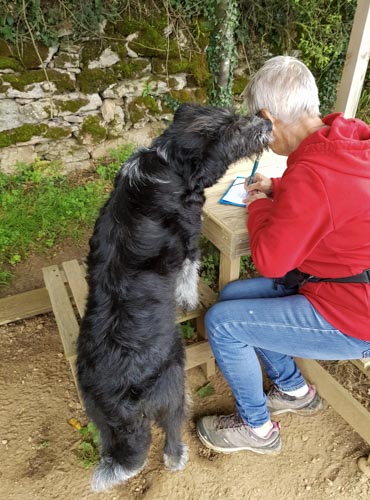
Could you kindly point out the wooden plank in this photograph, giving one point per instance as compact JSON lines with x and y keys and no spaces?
{"x":77,"y":283}
{"x":198,"y":354}
{"x":24,"y":305}
{"x":356,"y":63}
{"x":206,"y":295}
{"x":363,"y":365}
{"x":182,"y":315}
{"x":63,"y":311}
{"x":73,"y":365}
{"x":229,"y":270}
{"x":339,"y":398}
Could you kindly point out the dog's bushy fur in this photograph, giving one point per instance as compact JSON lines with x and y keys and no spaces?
{"x":143,"y":260}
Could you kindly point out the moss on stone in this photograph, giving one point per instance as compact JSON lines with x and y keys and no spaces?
{"x":30,"y":58}
{"x":91,"y":51}
{"x":20,"y":80}
{"x":196,"y":66}
{"x":57,"y":133}
{"x":137,"y":107}
{"x":204,"y":29}
{"x":183,"y":95}
{"x":150,"y":41}
{"x":201,"y":95}
{"x":93,"y":128}
{"x":119,"y":47}
{"x":10,"y":63}
{"x":6,"y":50}
{"x":199,"y":69}
{"x":240,"y":82}
{"x":136,"y":113}
{"x":21,"y":134}
{"x":130,"y":68}
{"x":91,"y":81}
{"x":72,"y":105}
{"x":63,"y":60}
{"x":150,"y":103}
{"x":190,"y":95}
{"x":3,"y":87}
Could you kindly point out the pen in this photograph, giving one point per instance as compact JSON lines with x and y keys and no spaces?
{"x":254,"y":169}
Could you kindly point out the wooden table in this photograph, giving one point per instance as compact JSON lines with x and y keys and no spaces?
{"x":225,"y":225}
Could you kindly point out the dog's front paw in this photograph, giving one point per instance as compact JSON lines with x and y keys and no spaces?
{"x":178,"y":461}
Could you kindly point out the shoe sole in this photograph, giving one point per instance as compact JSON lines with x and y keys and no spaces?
{"x":261,"y":451}
{"x":307,"y":411}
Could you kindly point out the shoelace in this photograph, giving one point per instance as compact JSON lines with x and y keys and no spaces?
{"x":232,"y":421}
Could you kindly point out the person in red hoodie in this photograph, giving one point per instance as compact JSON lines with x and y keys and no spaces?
{"x":310,"y":240}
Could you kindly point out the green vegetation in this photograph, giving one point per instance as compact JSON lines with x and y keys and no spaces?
{"x":187,"y":330}
{"x":25,"y":133}
{"x":206,"y":390}
{"x":41,"y":207}
{"x":88,"y":448}
{"x":92,"y":127}
{"x":20,"y":81}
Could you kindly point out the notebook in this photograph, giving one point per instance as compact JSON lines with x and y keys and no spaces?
{"x":236,"y":193}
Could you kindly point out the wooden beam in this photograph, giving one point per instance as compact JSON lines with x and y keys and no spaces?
{"x":337,"y":396}
{"x":63,"y":311}
{"x":356,"y":63}
{"x":24,"y":305}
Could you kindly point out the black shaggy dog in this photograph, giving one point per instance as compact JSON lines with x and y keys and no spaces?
{"x":143,"y":261}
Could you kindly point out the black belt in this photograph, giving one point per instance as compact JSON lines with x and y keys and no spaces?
{"x":298,"y":278}
{"x":363,"y":277}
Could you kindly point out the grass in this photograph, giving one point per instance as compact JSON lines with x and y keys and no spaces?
{"x":40,"y":207}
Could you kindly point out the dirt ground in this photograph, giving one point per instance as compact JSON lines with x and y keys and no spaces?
{"x":38,"y":448}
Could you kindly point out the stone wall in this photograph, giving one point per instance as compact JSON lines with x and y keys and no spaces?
{"x":67,"y":102}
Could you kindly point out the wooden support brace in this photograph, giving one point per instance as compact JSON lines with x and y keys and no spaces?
{"x":356,"y":63}
{"x":337,"y":396}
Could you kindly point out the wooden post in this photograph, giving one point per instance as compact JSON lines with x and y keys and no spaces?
{"x":357,"y":59}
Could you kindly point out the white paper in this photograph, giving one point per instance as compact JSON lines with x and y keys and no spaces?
{"x":236,"y":194}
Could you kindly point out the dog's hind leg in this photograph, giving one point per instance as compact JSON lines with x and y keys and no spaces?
{"x":123,"y":454}
{"x":172,"y":418}
{"x":175,"y":451}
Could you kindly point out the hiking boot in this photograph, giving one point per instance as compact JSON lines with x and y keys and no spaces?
{"x":229,"y":433}
{"x":278,"y":402}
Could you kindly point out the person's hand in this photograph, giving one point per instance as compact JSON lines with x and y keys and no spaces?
{"x":253,"y":196}
{"x":260,"y":183}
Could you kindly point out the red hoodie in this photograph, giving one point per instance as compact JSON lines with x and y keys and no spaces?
{"x":318,"y":220}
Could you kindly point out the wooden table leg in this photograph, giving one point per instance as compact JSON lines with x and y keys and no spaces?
{"x":229,"y":270}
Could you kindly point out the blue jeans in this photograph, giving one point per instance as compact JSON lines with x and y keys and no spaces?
{"x":253,"y":318}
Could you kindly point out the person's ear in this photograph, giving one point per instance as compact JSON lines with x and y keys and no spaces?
{"x":265,"y":113}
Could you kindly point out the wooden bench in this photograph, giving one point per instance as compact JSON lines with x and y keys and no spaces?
{"x":67,"y":289}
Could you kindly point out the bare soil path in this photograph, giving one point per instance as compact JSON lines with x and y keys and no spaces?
{"x":38,"y":447}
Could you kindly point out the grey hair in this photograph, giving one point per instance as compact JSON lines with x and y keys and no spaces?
{"x":285,"y":87}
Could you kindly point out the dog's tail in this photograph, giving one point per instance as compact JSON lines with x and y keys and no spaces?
{"x":109,"y":473}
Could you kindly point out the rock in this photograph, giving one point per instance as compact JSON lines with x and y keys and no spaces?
{"x":10,"y":156}
{"x":107,"y":58}
{"x":67,"y":149}
{"x":9,"y":114}
{"x":108,"y":110}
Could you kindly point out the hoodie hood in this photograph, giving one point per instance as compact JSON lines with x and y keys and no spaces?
{"x":346,"y":140}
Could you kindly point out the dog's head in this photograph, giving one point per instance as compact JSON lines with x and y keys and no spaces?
{"x":204,"y":141}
